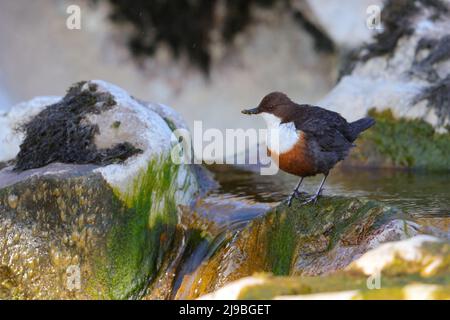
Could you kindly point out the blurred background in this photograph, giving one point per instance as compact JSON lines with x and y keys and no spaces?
{"x":208,"y":59}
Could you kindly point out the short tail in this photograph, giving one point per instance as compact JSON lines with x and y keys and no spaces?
{"x":359,"y":126}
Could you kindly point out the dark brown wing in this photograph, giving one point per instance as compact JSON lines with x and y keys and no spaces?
{"x":328,"y":128}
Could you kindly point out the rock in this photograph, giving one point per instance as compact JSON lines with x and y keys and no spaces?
{"x":404,"y":62}
{"x":423,"y":254}
{"x":300,"y":240}
{"x":416,"y":268}
{"x":402,"y":78}
{"x":401,"y":143}
{"x":92,"y":230}
{"x":341,"y":19}
{"x":438,"y":226}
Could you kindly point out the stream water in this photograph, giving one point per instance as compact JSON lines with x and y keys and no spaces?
{"x":244,"y":195}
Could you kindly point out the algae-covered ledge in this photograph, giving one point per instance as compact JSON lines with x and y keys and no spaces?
{"x":415,"y":268}
{"x":397,"y":142}
{"x":301,"y":241}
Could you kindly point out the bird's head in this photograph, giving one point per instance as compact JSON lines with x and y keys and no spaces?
{"x":273,"y":107}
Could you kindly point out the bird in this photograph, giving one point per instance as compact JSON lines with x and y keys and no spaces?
{"x":310,"y":140}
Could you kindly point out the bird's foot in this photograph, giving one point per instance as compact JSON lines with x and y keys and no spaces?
{"x":296,"y":194}
{"x":313,"y":199}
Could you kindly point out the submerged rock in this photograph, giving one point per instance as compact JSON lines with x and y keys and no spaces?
{"x":417,"y":268}
{"x":301,"y":240}
{"x":92,"y":229}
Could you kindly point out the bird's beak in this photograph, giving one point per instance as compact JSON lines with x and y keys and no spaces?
{"x":251,"y":111}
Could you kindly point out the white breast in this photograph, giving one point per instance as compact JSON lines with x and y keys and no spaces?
{"x":280,"y":137}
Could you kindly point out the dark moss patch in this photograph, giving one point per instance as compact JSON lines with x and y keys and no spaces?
{"x":438,"y":98}
{"x":396,"y":16}
{"x":59,"y":134}
{"x":322,"y":42}
{"x":116,"y":124}
{"x":185,"y":26}
{"x":405,"y":143}
{"x":348,"y":62}
{"x":439,"y":50}
{"x":170,"y":124}
{"x":3,"y":165}
{"x":182,"y":25}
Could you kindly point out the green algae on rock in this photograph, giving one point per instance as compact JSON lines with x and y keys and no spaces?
{"x":57,"y":220}
{"x":301,"y":240}
{"x":396,"y":280}
{"x":142,"y":237}
{"x":402,"y":143}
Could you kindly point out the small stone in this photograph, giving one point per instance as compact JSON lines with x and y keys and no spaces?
{"x":13,"y":201}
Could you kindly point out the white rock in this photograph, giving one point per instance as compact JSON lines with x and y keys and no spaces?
{"x":385,"y":82}
{"x":420,"y":291}
{"x":341,"y":295}
{"x":232,"y":290}
{"x":344,"y":21}
{"x":376,"y":260}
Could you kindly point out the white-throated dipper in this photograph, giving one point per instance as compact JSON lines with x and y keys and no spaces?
{"x":311,"y":140}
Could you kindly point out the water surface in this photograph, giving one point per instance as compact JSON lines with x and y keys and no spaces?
{"x":417,"y":193}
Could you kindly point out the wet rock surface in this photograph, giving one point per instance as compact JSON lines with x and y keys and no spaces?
{"x":301,"y":240}
{"x":66,"y":233}
{"x":416,"y":268}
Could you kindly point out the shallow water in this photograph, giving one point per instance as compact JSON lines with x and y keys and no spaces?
{"x":417,"y":193}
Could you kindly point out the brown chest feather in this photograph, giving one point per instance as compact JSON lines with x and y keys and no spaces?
{"x":297,"y":160}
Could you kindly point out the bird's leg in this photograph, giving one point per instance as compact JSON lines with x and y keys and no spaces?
{"x":314,"y":198}
{"x":294,"y":193}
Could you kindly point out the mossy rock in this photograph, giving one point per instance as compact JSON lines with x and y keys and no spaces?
{"x":402,"y":143}
{"x":62,"y":221}
{"x":300,"y":240}
{"x":75,"y":227}
{"x":403,"y":273}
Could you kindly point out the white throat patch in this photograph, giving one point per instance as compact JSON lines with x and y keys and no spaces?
{"x":280,"y":137}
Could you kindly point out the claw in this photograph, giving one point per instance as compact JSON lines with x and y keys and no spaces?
{"x":313,"y":199}
{"x":295,"y":194}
